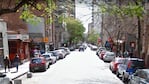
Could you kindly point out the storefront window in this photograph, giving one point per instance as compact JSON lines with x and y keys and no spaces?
{"x":1,"y":45}
{"x":1,"y":41}
{"x":1,"y":50}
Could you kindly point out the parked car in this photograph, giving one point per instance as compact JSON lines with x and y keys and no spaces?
{"x":49,"y":58}
{"x":56,"y":54}
{"x":129,"y":66}
{"x":101,"y":54}
{"x":72,"y":48}
{"x":141,"y":76}
{"x":109,"y":56}
{"x":4,"y":79}
{"x":61,"y":53}
{"x":94,"y":48}
{"x":65,"y":49}
{"x":38,"y":64}
{"x":84,"y":45}
{"x":99,"y":50}
{"x":115,"y":62}
{"x":81,"y":48}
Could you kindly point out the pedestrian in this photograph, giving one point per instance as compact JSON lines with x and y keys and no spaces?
{"x":126,"y":53}
{"x":17,"y":62}
{"x":6,"y":64}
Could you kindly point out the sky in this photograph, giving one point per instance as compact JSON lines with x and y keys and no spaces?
{"x":83,"y":13}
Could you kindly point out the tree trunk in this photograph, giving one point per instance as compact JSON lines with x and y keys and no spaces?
{"x":139,"y":38}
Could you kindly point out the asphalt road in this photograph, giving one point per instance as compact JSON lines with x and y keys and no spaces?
{"x":77,"y":68}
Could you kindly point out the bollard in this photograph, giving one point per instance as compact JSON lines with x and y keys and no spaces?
{"x":29,"y":74}
{"x":18,"y":81}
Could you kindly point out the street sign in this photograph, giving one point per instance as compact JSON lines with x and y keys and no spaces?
{"x":45,"y":39}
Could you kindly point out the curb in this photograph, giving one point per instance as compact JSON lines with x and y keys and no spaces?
{"x":19,"y":75}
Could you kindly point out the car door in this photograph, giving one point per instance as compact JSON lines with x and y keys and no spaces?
{"x":53,"y":58}
{"x":144,"y":78}
{"x":122,"y":67}
{"x":139,"y":77}
{"x":135,"y":78}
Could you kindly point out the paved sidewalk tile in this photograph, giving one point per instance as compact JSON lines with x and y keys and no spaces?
{"x":13,"y":74}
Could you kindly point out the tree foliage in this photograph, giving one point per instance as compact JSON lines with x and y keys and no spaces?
{"x":93,"y":37}
{"x":131,"y":9}
{"x":75,"y":28}
{"x":27,"y":8}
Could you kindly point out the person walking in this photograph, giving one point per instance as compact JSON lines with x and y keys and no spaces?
{"x":16,"y":62}
{"x":6,"y":64}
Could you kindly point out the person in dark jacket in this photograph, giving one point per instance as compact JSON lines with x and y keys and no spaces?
{"x":6,"y":63}
{"x":16,"y":62}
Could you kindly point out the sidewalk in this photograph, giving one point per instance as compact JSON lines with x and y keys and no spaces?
{"x":23,"y":69}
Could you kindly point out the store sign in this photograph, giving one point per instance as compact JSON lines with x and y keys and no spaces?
{"x":14,"y":36}
{"x":45,"y":39}
{"x":24,"y":37}
{"x":18,"y":36}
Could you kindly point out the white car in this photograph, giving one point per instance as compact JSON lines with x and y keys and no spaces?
{"x":61,"y":53}
{"x":109,"y":56}
{"x":67,"y":50}
{"x":50,"y":58}
{"x":4,"y":79}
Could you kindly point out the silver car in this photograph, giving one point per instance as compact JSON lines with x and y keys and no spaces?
{"x":49,"y":58}
{"x":4,"y":79}
{"x":141,"y":76}
{"x":109,"y":56}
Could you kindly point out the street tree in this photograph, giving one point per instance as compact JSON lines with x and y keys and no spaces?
{"x":93,"y":37}
{"x":125,"y":9}
{"x":27,"y":8}
{"x":75,"y":29}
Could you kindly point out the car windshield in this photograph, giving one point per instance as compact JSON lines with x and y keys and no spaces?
{"x":120,"y":60}
{"x":138,"y":64}
{"x":55,"y":53}
{"x":110,"y":54}
{"x":46,"y":56}
{"x":38,"y":60}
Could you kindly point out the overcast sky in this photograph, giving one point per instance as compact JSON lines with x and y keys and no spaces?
{"x":83,"y":13}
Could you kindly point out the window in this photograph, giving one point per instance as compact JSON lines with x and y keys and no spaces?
{"x":142,"y":74}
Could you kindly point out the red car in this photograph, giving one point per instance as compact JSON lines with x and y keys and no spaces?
{"x":38,"y":64}
{"x":101,"y":54}
{"x":114,"y":63}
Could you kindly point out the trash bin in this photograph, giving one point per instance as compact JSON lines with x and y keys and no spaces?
{"x":18,"y":81}
{"x":29,"y":74}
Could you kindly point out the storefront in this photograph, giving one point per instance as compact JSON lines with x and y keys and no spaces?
{"x":3,"y":42}
{"x":18,"y":44}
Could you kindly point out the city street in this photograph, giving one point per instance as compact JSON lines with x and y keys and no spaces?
{"x":77,"y":68}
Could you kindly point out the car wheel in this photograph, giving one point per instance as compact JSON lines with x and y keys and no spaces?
{"x":10,"y":82}
{"x":112,"y":69}
{"x":31,"y":70}
{"x":117,"y":74}
{"x":48,"y":65}
{"x":45,"y":68}
{"x":124,"y":79}
{"x":129,"y":82}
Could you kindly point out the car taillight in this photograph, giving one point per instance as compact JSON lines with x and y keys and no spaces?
{"x":31,"y":65}
{"x":115,"y":66}
{"x":43,"y":62}
{"x":129,"y":64}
